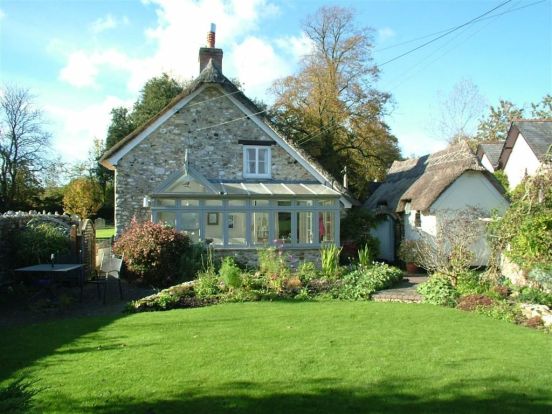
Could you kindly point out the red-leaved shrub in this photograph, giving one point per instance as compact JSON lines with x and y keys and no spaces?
{"x":472,"y":302}
{"x":534,"y":322}
{"x":152,"y":252}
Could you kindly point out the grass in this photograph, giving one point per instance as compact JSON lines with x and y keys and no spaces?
{"x":105,"y":233}
{"x":308,"y":357}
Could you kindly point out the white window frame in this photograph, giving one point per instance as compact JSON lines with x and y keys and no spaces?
{"x":268,"y":161}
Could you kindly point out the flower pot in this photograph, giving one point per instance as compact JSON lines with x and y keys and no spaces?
{"x":411,"y":267}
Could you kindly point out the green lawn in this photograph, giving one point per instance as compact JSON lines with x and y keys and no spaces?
{"x":105,"y":233}
{"x":281,"y":357}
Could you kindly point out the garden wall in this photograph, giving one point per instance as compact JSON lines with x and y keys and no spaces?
{"x":82,"y":235}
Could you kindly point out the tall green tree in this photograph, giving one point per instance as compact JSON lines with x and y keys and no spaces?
{"x":542,"y":109}
{"x":121,"y":125}
{"x":24,"y":143}
{"x":330,"y":107}
{"x":494,"y":127}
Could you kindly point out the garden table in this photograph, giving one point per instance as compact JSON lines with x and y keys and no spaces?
{"x":57,"y":271}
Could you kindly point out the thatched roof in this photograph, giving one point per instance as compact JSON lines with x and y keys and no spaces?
{"x":422,"y":180}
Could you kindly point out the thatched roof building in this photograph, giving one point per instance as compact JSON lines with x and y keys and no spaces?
{"x":421,"y":181}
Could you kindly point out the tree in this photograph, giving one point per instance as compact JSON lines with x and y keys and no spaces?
{"x":459,"y":112}
{"x":154,"y":96}
{"x":494,"y":127}
{"x":23,"y":147}
{"x":83,"y":197}
{"x":543,"y":109}
{"x":330,"y":107}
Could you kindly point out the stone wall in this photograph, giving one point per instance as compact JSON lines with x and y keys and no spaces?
{"x":213,"y":152}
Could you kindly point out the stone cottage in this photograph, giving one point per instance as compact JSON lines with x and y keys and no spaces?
{"x":211,"y":165}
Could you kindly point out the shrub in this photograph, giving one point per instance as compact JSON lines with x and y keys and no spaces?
{"x":307,"y":271}
{"x":39,"y":240}
{"x":535,"y":296}
{"x":472,"y":302}
{"x":501,"y":291}
{"x":207,"y":284}
{"x":471,"y":282}
{"x":503,"y":311}
{"x":152,"y":252}
{"x":230,"y":273}
{"x":361,"y":283}
{"x":83,"y":196}
{"x":192,"y":261}
{"x":438,"y":290}
{"x":330,"y":260}
{"x":366,"y":255}
{"x":271,"y":262}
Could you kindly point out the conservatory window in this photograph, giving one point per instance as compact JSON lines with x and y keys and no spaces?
{"x":236,"y":228}
{"x":189,"y":224}
{"x":259,"y":228}
{"x":325,"y":226}
{"x":283,"y":227}
{"x":304,"y":227}
{"x":256,"y":162}
{"x":167,"y":217}
{"x":214,"y":228}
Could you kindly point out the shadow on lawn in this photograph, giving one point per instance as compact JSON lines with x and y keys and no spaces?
{"x":34,"y":342}
{"x":484,"y":396}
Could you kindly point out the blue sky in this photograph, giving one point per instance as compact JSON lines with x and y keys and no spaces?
{"x":83,"y":57}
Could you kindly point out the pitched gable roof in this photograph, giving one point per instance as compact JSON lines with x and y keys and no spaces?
{"x":492,"y":151}
{"x":212,"y":75}
{"x":422,"y":180}
{"x":537,"y":134}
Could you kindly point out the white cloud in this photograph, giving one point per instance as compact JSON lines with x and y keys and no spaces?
{"x":76,"y":128}
{"x":257,"y":65}
{"x":385,"y":34}
{"x":107,"y":22}
{"x":417,"y":143}
{"x":295,"y":46}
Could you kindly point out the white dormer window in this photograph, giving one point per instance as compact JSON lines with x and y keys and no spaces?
{"x":256,"y":161}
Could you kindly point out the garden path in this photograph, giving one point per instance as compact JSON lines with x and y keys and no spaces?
{"x":405,"y":291}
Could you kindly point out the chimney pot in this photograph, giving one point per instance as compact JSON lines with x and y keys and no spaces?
{"x":210,"y":52}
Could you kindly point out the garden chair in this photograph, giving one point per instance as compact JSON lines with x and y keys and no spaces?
{"x":110,"y":267}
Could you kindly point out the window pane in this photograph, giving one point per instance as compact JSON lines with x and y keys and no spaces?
{"x":304,"y":203}
{"x":165,"y":202}
{"x":259,"y":228}
{"x":167,"y":217}
{"x":262,"y":154}
{"x":325,"y":226}
{"x":239,"y":203}
{"x":213,"y":202}
{"x":189,"y":203}
{"x":251,"y":167}
{"x":236,"y":228}
{"x":304,"y":227}
{"x":189,"y":224}
{"x":326,"y":202}
{"x":283,"y":227}
{"x":284,"y":202}
{"x":213,"y":227}
{"x":260,"y":203}
{"x":261,"y":167}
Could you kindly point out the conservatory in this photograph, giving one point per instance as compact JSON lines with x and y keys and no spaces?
{"x":246,"y":214}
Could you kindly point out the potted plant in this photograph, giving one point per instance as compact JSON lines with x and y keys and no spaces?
{"x":408,"y":253}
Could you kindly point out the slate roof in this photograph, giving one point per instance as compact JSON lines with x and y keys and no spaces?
{"x":492,"y":151}
{"x":213,"y":75}
{"x":422,"y":180}
{"x":538,"y":134}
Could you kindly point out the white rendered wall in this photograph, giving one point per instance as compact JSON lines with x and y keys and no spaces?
{"x":522,"y":161}
{"x":471,"y":189}
{"x":486,"y":163}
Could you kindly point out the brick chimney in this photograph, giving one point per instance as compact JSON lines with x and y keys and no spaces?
{"x":210,"y":52}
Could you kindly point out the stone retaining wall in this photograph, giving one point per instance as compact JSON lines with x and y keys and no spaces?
{"x":294,"y":256}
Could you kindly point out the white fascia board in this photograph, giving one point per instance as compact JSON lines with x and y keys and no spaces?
{"x":291,"y":151}
{"x":158,"y":122}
